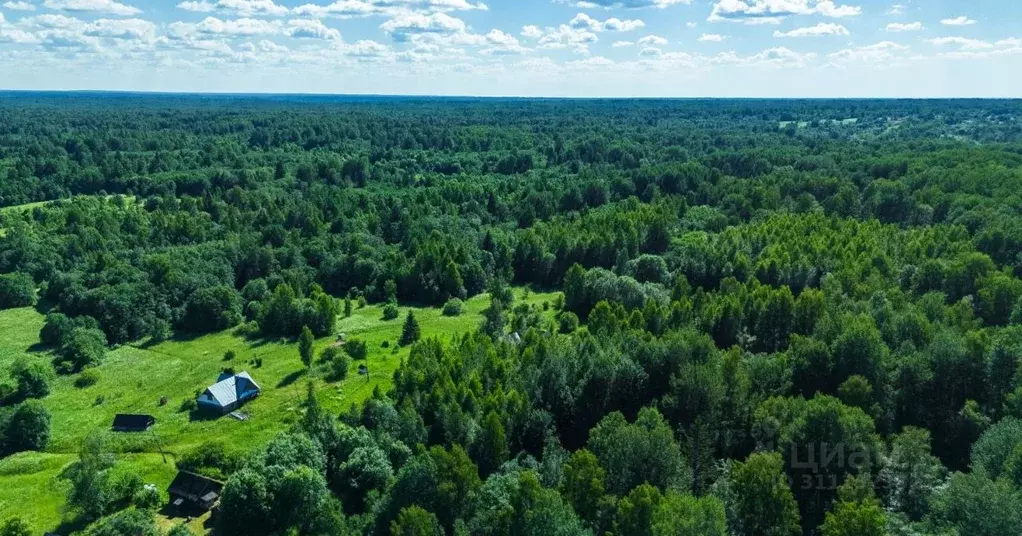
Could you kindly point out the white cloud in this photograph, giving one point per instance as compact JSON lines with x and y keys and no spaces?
{"x":113,"y":7}
{"x":243,"y":8}
{"x":622,"y":44}
{"x":651,"y":51}
{"x":561,"y":37}
{"x":652,"y":40}
{"x":962,"y":42}
{"x":19,"y":6}
{"x":501,"y":43}
{"x":961,"y":20}
{"x":366,"y":49}
{"x":897,"y":9}
{"x":405,"y":27}
{"x":584,"y":21}
{"x":628,"y":4}
{"x":879,"y":54}
{"x":908,"y":27}
{"x":365,"y":8}
{"x":820,"y":30}
{"x":711,"y":38}
{"x":771,"y":57}
{"x":237,"y":27}
{"x":774,"y":11}
{"x":532,"y":32}
{"x":129,"y":29}
{"x":311,"y":29}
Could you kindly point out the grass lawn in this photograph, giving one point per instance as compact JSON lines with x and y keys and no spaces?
{"x":133,"y":379}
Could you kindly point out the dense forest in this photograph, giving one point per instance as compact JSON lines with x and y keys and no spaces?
{"x":777,"y":317}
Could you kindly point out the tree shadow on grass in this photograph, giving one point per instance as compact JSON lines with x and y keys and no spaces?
{"x":291,"y":378}
{"x":71,"y":526}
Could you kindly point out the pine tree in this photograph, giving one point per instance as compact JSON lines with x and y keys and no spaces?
{"x":305,"y":346}
{"x":347,"y":306}
{"x":410,"y":332}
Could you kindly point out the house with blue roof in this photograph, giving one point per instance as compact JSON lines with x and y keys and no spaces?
{"x":229,"y":393}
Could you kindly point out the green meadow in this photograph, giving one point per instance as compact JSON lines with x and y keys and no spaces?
{"x":133,"y":379}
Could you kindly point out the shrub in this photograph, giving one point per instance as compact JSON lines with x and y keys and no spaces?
{"x":213,"y":459}
{"x":84,"y":347}
{"x":390,"y":311}
{"x":329,"y":354}
{"x":147,"y":498}
{"x":453,"y":307}
{"x":568,"y":322}
{"x":229,"y":355}
{"x":339,"y":367}
{"x":27,"y":429}
{"x":87,"y":378}
{"x":32,"y":378}
{"x":16,"y":290}
{"x":356,"y":348}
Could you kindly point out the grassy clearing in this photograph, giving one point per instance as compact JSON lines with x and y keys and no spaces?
{"x":133,"y":379}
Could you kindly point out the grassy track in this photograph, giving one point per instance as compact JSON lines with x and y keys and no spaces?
{"x":132,"y":380}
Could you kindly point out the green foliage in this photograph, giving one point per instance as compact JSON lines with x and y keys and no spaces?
{"x":16,"y":290}
{"x":758,"y":498}
{"x":390,"y":311}
{"x":136,"y":522}
{"x":856,"y":512}
{"x":305,"y":342}
{"x":214,"y":459}
{"x":356,"y":348}
{"x":567,"y":322}
{"x":414,"y":521}
{"x":83,"y":347}
{"x":410,"y":332}
{"x":975,"y":504}
{"x":679,"y":515}
{"x":32,"y":378}
{"x":634,"y":453}
{"x":453,"y":307}
{"x":14,"y":527}
{"x":27,"y":427}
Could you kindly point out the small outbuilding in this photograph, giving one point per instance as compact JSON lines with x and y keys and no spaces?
{"x":229,"y":393}
{"x":124,"y":422}
{"x":197,"y":491}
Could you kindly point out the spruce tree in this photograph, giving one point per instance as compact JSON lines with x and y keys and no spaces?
{"x":305,"y":345}
{"x":410,"y":332}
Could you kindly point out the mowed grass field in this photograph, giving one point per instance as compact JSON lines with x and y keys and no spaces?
{"x":132,"y":379}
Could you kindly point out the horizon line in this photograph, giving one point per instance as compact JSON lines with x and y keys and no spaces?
{"x":478,"y":97}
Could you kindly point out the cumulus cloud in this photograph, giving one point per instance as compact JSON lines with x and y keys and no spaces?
{"x":112,"y":7}
{"x":243,"y":8}
{"x":622,"y":44}
{"x":962,"y":42}
{"x":610,"y":25}
{"x":820,"y":30}
{"x":405,"y":27}
{"x":961,"y":20}
{"x":364,"y":8}
{"x":564,"y":36}
{"x":311,"y":29}
{"x":897,"y":9}
{"x":877,"y":54}
{"x":215,"y":28}
{"x":628,"y":4}
{"x":908,"y":27}
{"x":652,"y":40}
{"x":501,"y":43}
{"x":19,"y":6}
{"x":711,"y":38}
{"x":132,"y":29}
{"x":774,"y":57}
{"x":775,"y":11}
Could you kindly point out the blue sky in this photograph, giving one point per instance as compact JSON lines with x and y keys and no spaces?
{"x":647,"y":48}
